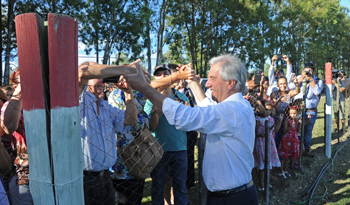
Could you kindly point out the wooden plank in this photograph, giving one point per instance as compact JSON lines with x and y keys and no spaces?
{"x":66,"y":147}
{"x":31,"y":59}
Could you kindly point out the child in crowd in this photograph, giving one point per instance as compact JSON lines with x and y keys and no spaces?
{"x":288,"y":149}
{"x":259,"y":148}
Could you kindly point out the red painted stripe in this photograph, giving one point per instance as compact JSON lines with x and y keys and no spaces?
{"x":328,"y":73}
{"x":63,"y":58}
{"x":29,"y":61}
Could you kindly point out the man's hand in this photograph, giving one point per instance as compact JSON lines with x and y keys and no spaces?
{"x":196,"y":78}
{"x":137,"y":80}
{"x":286,"y":59}
{"x":123,"y":85}
{"x":186,"y":72}
{"x":136,"y":64}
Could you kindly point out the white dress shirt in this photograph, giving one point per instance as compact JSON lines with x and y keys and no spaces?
{"x":230,"y":128}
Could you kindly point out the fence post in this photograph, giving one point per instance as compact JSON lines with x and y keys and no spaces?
{"x":337,"y":107}
{"x":301,"y":168}
{"x":67,"y":155}
{"x":51,"y":107}
{"x":202,"y":190}
{"x":328,"y":133}
{"x":267,"y":161}
{"x":32,"y":60}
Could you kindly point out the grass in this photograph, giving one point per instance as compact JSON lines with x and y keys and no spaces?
{"x":284,"y":191}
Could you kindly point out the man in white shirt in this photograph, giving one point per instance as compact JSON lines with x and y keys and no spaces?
{"x":229,"y":125}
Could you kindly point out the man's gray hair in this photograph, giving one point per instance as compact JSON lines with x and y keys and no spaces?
{"x":231,"y":69}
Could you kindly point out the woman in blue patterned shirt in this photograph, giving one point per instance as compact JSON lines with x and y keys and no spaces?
{"x":131,"y":188}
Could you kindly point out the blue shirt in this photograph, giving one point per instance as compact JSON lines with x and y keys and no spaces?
{"x":98,"y":131}
{"x":312,"y":95}
{"x":167,"y":135}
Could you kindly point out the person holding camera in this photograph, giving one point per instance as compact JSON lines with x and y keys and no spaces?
{"x":338,"y":74}
{"x":279,"y":72}
{"x":313,"y":94}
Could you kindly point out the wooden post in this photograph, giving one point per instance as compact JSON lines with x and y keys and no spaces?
{"x":51,"y":107}
{"x":337,"y":107}
{"x":328,"y":116}
{"x":267,"y":161}
{"x":301,"y":168}
{"x":67,"y":155}
{"x":31,"y":41}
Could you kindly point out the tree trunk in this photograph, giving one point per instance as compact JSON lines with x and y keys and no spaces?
{"x":108,"y":47}
{"x":8,"y":44}
{"x":160,"y":33}
{"x":148,"y":39}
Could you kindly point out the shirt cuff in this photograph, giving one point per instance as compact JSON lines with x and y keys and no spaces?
{"x":169,"y":109}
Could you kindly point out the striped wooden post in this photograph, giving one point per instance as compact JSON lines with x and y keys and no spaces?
{"x":51,"y":107}
{"x":328,"y":116}
{"x":31,"y":40}
{"x":67,"y":155}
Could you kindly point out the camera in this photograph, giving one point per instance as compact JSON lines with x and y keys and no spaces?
{"x":308,"y":73}
{"x":280,"y":56}
{"x":114,"y":79}
{"x":336,"y":74}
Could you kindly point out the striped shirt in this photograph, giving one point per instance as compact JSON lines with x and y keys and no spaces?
{"x":98,"y":131}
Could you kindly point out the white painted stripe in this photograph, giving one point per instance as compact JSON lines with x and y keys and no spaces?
{"x":67,"y":155}
{"x":38,"y":155}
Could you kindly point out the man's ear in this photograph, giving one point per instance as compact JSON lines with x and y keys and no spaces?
{"x":232,"y":83}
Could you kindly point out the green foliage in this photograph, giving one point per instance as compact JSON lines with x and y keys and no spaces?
{"x":315,"y":31}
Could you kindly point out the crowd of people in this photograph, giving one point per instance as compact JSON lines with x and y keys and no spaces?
{"x":174,"y":108}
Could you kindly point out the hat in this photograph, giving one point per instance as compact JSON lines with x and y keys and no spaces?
{"x":173,"y":67}
{"x":161,"y":67}
{"x":309,"y":65}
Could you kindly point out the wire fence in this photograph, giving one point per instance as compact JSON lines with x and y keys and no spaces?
{"x":125,"y":151}
{"x":117,"y":122}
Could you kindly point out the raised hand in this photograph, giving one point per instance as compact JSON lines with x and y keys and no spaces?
{"x":123,"y":85}
{"x":186,"y":72}
{"x":274,"y":58}
{"x":285,"y":58}
{"x":137,"y":80}
{"x":136,"y":64}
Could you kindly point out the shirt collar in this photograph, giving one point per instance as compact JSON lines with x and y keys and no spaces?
{"x":233,"y":97}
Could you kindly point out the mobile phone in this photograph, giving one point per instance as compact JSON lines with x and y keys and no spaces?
{"x":257,"y":76}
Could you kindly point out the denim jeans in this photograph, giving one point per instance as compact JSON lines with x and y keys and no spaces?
{"x":308,"y":129}
{"x":176,"y":162}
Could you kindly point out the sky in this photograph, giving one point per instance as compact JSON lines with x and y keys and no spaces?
{"x":345,"y":3}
